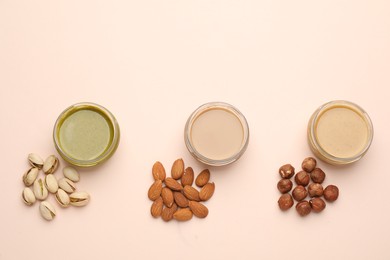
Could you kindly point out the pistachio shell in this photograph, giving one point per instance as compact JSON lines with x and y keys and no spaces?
{"x":47,"y":210}
{"x":35,"y":160}
{"x":40,"y":190}
{"x":50,"y":164}
{"x":30,"y":176}
{"x":79,"y":199}
{"x":67,"y":185}
{"x":62,"y":198}
{"x":71,"y":173}
{"x":28,"y":196}
{"x":51,"y":183}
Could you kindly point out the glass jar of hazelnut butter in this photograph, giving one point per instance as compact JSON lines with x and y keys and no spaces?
{"x":86,"y":134}
{"x":340,"y":132}
{"x":216,"y":134}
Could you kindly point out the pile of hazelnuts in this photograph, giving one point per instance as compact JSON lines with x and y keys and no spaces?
{"x":300,"y":192}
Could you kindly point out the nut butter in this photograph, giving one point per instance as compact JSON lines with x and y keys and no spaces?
{"x":86,"y":134}
{"x":216,"y":134}
{"x":340,"y":132}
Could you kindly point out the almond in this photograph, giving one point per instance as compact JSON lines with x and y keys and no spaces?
{"x":173,"y":184}
{"x":188,"y":177}
{"x":157,"y":207}
{"x":180,"y":199}
{"x":155,"y":190}
{"x":191,"y":193}
{"x":198,"y":209}
{"x":202,"y":178}
{"x":167,"y":197}
{"x":167,"y":213}
{"x":207,"y":191}
{"x":183,"y":214}
{"x":177,"y":169}
{"x":158,"y":171}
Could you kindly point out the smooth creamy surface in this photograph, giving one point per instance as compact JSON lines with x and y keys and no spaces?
{"x":217,"y":134}
{"x":342,"y":132}
{"x":85,"y":135}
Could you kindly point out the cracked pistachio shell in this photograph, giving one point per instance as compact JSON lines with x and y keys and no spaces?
{"x":28,"y":196}
{"x":47,"y":210}
{"x":67,"y":185}
{"x":71,"y":173}
{"x":50,"y":164}
{"x":35,"y":160}
{"x":62,"y":198}
{"x":51,"y":183}
{"x":79,"y":199}
{"x":40,"y":190}
{"x":30,"y":176}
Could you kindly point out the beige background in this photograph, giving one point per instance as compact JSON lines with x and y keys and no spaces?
{"x":152,"y":63}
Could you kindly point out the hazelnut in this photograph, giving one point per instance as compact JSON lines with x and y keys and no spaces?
{"x":299,"y":193}
{"x":309,"y":164}
{"x":331,"y":193}
{"x":317,"y":175}
{"x":302,"y":178}
{"x":317,"y":204}
{"x":285,"y":201}
{"x":286,"y":171}
{"x":285,"y":185}
{"x":303,"y":208}
{"x":315,"y":190}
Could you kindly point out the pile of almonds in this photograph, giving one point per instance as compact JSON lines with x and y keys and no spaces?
{"x":179,"y":200}
{"x":64,"y":188}
{"x":299,"y":193}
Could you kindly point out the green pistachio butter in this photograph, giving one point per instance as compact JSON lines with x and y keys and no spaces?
{"x":85,"y":135}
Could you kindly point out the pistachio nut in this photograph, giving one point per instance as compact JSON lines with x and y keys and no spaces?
{"x":28,"y":196}
{"x":50,"y":164}
{"x":39,"y":189}
{"x":67,"y":185}
{"x":51,"y":183}
{"x":35,"y":160}
{"x":62,"y":198}
{"x":79,"y":199}
{"x":47,"y":210}
{"x":30,"y":176}
{"x":71,"y":174}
